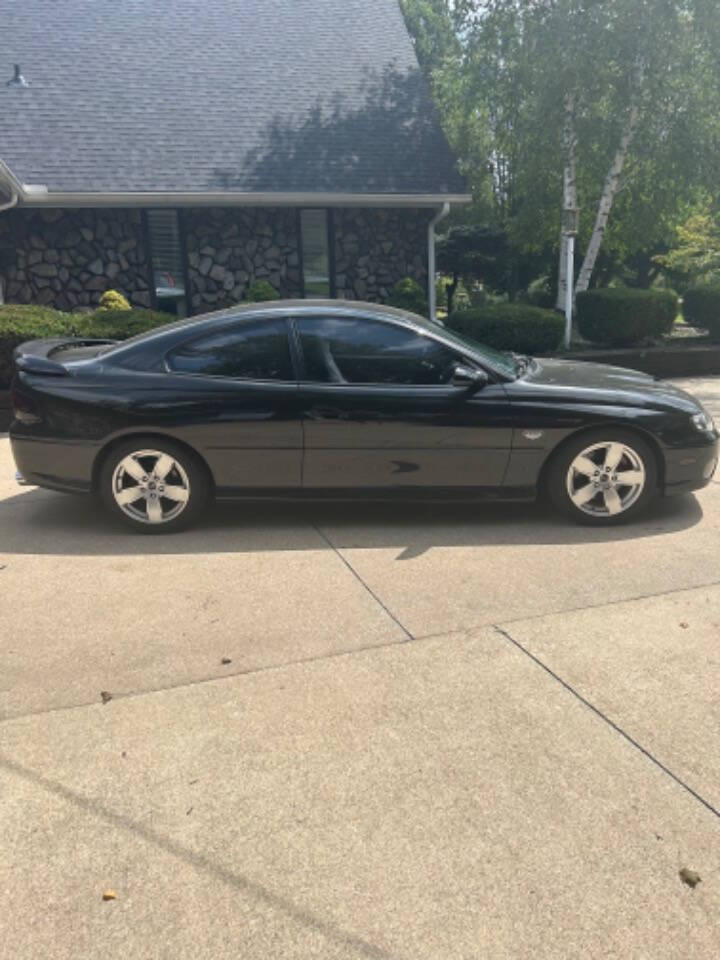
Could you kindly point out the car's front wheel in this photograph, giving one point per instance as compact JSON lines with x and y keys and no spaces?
{"x":603,"y":477}
{"x":153,"y":486}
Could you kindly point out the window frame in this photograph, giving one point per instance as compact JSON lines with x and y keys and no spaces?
{"x":149,"y":252}
{"x":302,"y":370}
{"x":231,"y":324}
{"x":330,"y":239}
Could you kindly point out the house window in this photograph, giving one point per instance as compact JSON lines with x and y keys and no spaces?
{"x":166,"y":251}
{"x":315,"y":253}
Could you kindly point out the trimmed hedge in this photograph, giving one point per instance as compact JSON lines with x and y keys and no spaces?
{"x":20,"y":323}
{"x":540,"y":294}
{"x":622,"y":316}
{"x":407,"y":294}
{"x":511,"y":326}
{"x":701,"y":308}
{"x":117,"y":324}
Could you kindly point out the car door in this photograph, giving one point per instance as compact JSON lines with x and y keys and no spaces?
{"x":379,"y":410}
{"x":239,"y":404}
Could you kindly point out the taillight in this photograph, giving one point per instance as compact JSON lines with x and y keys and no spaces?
{"x":24,"y":408}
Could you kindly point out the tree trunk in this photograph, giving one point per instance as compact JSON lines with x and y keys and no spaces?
{"x":569,"y":192}
{"x":612,"y":182}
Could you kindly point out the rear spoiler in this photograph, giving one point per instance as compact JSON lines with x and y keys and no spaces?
{"x":34,"y":356}
{"x":41,"y":365}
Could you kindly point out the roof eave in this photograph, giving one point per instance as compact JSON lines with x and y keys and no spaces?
{"x":37,"y":196}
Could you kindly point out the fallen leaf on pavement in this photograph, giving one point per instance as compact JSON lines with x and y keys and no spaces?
{"x":689,"y":877}
{"x":109,"y":895}
{"x":105,"y":696}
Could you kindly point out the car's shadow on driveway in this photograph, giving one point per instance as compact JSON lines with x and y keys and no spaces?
{"x":39,"y":522}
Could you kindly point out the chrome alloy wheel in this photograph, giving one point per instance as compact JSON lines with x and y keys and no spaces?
{"x":150,"y":486}
{"x":606,"y":479}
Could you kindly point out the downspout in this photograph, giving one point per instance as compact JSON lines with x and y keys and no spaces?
{"x":432,"y":296}
{"x":12,"y":202}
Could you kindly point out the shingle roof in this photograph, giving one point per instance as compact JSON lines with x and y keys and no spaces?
{"x":218,"y":95}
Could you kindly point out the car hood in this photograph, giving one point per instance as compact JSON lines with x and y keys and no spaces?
{"x":598,"y":382}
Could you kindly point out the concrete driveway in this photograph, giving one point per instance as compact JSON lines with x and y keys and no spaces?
{"x":348,"y":732}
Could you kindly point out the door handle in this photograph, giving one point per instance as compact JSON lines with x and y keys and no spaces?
{"x":334,"y":413}
{"x":324,"y":413}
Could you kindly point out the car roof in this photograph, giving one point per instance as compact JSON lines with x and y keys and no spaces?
{"x":168,"y":336}
{"x":269,"y":309}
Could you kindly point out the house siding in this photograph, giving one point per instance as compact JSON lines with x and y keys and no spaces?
{"x":67,"y":258}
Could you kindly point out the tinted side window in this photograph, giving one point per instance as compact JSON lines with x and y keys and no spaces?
{"x":249,"y":351}
{"x":350,"y":350}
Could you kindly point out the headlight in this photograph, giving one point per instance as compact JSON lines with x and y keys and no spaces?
{"x":703,"y":422}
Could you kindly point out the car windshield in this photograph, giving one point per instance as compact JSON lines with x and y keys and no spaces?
{"x":505,"y":363}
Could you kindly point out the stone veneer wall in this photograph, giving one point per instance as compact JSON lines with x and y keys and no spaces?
{"x":374,"y":248}
{"x":229,"y":248}
{"x":67,"y":258}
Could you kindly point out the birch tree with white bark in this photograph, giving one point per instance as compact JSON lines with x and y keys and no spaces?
{"x":612,"y":106}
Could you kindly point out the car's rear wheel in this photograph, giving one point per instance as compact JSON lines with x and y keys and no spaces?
{"x":153,"y":486}
{"x":603,"y":477}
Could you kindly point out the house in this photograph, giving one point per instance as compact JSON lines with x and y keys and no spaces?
{"x":180,"y":152}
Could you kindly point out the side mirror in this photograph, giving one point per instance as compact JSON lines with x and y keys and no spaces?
{"x":469,"y":379}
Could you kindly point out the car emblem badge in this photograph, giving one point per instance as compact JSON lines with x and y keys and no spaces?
{"x":532,"y":434}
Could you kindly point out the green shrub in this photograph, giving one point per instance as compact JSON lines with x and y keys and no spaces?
{"x":260,"y":291}
{"x":539,"y":294}
{"x":511,"y":326}
{"x":113,"y":300}
{"x":621,"y":316}
{"x":407,"y":294}
{"x":441,"y":285}
{"x":701,"y":307}
{"x":19,"y":323}
{"x":117,"y":324}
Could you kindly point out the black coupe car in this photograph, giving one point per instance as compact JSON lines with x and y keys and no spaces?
{"x":314,"y":399}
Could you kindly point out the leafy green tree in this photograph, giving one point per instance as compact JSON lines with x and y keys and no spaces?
{"x":472,"y":253}
{"x":696,"y":253}
{"x":609,"y":105}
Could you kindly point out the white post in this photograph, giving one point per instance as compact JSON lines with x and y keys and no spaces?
{"x":432,"y":294}
{"x":569,"y":283}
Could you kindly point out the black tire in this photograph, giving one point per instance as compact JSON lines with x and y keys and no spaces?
{"x":187,"y":476}
{"x":559,"y":478}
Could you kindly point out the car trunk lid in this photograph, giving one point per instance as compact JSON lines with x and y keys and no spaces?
{"x":54,"y":357}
